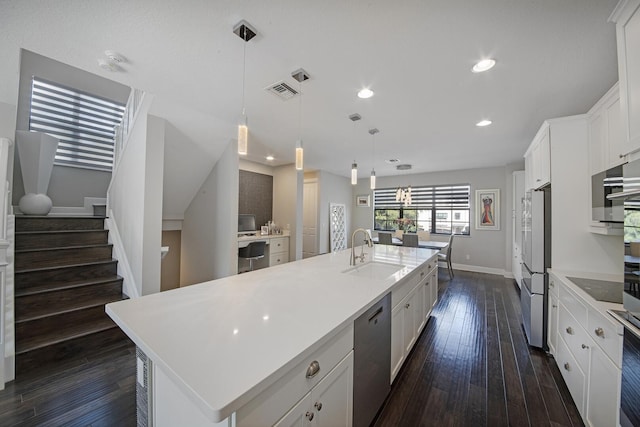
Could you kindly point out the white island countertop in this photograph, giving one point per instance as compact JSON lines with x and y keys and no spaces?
{"x":223,"y":342}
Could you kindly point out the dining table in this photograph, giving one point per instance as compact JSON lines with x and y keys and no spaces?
{"x":428,"y":244}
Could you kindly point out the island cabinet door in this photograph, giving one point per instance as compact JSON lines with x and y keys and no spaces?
{"x":397,"y":335}
{"x":299,"y":415}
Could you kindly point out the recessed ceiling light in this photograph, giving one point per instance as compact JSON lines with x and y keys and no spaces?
{"x":484,"y":65}
{"x":365,"y":93}
{"x":483,"y":123}
{"x":270,"y":158}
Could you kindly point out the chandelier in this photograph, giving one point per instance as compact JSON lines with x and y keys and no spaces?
{"x":403,"y":195}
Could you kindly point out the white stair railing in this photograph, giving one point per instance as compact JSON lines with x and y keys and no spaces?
{"x":122,"y":131}
{"x":7,"y":339}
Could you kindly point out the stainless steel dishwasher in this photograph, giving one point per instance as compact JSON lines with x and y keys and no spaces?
{"x":371,"y":361}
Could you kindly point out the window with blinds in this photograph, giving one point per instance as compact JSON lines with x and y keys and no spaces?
{"x":84,"y":123}
{"x":443,"y":209}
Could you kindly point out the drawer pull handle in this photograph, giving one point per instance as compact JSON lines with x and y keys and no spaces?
{"x":585,"y":346}
{"x":407,"y":305}
{"x":567,"y":366}
{"x":599,"y":332}
{"x":554,"y":305}
{"x":313,"y":369}
{"x":551,"y":284}
{"x":374,"y":315}
{"x":422,"y":272}
{"x":309,"y":415}
{"x":318,"y":406}
{"x":621,"y":156}
{"x":569,"y":330}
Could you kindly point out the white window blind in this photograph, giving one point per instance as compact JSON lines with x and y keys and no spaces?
{"x":435,"y":197}
{"x":84,"y":124}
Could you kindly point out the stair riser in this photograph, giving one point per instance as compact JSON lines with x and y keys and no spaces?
{"x":61,"y":240}
{"x":53,"y":326}
{"x":24,"y":223}
{"x":52,"y":258}
{"x":47,"y":303}
{"x":58,"y":276}
{"x":83,"y":347}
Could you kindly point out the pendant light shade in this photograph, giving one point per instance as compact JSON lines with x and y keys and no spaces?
{"x":246,"y":32}
{"x":372,"y":132}
{"x":373,"y":179}
{"x":354,"y":173}
{"x":299,"y":155}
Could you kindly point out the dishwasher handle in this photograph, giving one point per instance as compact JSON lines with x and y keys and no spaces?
{"x":376,"y":314}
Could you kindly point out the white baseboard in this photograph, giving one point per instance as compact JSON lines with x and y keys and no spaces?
{"x":476,"y":269}
{"x":129,"y":287}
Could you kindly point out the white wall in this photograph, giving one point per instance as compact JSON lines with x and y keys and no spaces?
{"x":135,"y":203}
{"x":288,"y":187}
{"x":483,"y":250}
{"x":573,"y":247}
{"x":209,"y":247}
{"x":333,"y":189}
{"x":68,"y":186}
{"x":246,"y":165}
{"x":509,"y":214}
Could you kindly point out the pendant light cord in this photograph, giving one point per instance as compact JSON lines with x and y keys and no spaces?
{"x":300,"y":111}
{"x":244,"y":65}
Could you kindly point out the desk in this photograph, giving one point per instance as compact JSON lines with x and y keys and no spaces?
{"x":428,"y":244}
{"x":277,"y":251}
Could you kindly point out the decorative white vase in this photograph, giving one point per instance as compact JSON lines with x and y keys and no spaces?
{"x":37,"y":152}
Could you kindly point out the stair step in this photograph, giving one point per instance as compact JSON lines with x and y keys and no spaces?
{"x":48,"y":287}
{"x":60,"y":239}
{"x":52,"y":257}
{"x":63,"y":327}
{"x":82,"y":347}
{"x":37,"y":306}
{"x":57,"y":223}
{"x":54,"y":276}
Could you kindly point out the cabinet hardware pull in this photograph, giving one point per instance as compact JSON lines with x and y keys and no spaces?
{"x":407,"y":305}
{"x":569,"y":330}
{"x":538,"y":180}
{"x":585,"y":346}
{"x":621,"y":156}
{"x":374,"y":315}
{"x":309,"y":415}
{"x":567,"y":367}
{"x":599,"y":332}
{"x":313,"y":369}
{"x":318,"y":406}
{"x":554,"y":305}
{"x":551,"y":284}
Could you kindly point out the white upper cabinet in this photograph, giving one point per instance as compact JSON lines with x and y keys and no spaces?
{"x":627,"y":19}
{"x":607,"y":147}
{"x":538,"y":160}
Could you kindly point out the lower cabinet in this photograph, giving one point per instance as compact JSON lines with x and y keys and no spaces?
{"x":604,"y":389}
{"x":552,"y":336}
{"x":328,"y":403}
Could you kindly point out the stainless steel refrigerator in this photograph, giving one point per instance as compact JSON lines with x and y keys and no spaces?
{"x":536,"y":258}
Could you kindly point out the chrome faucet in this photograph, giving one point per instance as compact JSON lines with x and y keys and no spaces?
{"x":367,"y":240}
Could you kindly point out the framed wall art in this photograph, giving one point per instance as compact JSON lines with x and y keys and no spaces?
{"x":363,"y":201}
{"x":487,"y":209}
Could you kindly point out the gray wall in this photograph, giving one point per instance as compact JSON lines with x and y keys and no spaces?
{"x":209,"y":248}
{"x":68,"y":185}
{"x":256,"y":196}
{"x":332,"y":189}
{"x":483,"y":250}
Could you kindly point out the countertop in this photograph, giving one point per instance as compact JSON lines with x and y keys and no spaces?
{"x":223,"y":342}
{"x":601,"y":306}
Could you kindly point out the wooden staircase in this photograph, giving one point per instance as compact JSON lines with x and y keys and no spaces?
{"x":64,"y":275}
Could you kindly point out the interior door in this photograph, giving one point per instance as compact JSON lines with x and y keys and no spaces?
{"x":310,"y":219}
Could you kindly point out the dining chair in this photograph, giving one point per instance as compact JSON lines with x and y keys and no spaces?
{"x":253,"y":251}
{"x":424,"y":235}
{"x":446,"y":257}
{"x":410,"y":239}
{"x":384,"y":237}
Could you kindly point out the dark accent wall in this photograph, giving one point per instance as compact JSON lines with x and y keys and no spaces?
{"x":256,"y":196}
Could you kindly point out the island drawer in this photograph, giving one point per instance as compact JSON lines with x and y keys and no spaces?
{"x":407,"y":284}
{"x":575,"y":336}
{"x":277,"y":399}
{"x":607,"y":335}
{"x":573,"y":304}
{"x":573,"y":376}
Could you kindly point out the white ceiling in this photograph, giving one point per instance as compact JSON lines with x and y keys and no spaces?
{"x":555,"y":58}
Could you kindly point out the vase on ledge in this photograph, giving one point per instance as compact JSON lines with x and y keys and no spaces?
{"x":36,"y":151}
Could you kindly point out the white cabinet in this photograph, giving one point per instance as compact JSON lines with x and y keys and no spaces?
{"x":329,"y":403}
{"x":538,"y":160}
{"x":412,"y":304}
{"x":588,"y":351}
{"x":516,"y":221}
{"x":627,"y":19}
{"x":278,"y":251}
{"x":606,"y":144}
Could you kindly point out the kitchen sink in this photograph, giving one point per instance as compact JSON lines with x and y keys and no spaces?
{"x":374,"y":269}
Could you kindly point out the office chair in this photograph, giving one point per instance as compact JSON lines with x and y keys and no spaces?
{"x":252,"y":252}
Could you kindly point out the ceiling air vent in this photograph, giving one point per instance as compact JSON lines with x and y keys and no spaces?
{"x":282,"y":90}
{"x":403,"y":167}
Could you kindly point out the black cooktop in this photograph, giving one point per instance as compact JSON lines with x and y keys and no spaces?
{"x":600,"y":290}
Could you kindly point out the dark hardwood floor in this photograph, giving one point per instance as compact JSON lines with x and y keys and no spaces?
{"x":473,"y":367}
{"x":470,"y":367}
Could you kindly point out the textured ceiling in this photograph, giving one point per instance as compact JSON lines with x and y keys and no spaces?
{"x":555,"y":58}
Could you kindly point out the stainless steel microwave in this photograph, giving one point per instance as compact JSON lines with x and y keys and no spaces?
{"x":603,"y":184}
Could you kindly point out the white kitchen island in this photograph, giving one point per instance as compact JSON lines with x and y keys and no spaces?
{"x":227,"y":351}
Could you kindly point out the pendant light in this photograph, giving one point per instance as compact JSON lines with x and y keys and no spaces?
{"x":403,"y":195}
{"x":373,"y":151}
{"x":300,"y":75}
{"x":246,"y":32}
{"x":354,"y":166}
